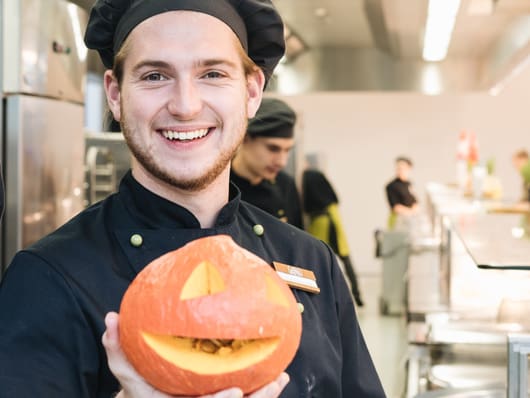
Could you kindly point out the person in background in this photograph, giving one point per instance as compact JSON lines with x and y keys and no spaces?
{"x":401,"y":199}
{"x":182,"y":78}
{"x":257,"y":168}
{"x":521,"y":162}
{"x":321,"y":204}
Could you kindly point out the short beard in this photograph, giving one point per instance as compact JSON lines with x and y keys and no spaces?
{"x":192,"y":184}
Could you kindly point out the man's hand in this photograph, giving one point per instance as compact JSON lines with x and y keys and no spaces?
{"x":134,"y":386}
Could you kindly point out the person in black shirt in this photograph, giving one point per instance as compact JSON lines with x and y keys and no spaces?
{"x":257,"y":168}
{"x":182,"y":78}
{"x":401,"y":199}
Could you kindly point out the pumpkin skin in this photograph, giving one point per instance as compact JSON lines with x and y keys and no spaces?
{"x":210,"y":288}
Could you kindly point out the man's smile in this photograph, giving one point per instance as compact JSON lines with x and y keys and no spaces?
{"x":185,"y":135}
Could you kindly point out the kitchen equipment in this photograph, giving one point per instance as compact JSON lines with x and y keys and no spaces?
{"x":43,"y":61}
{"x":394,"y":249}
{"x":467,"y":375}
{"x":465,"y":393}
{"x":518,"y":351}
{"x":107,"y":160}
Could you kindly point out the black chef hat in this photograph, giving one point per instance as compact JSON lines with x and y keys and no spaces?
{"x":256,"y":23}
{"x":274,"y":118}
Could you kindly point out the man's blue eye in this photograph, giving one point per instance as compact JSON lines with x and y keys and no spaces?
{"x":212,"y":75}
{"x":154,"y":77}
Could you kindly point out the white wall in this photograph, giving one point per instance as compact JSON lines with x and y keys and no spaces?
{"x":360,"y":134}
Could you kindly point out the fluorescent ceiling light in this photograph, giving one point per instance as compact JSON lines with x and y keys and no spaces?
{"x":439,"y":28}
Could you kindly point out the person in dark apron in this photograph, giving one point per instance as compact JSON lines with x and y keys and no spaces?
{"x":322,"y":206}
{"x":183,"y":78}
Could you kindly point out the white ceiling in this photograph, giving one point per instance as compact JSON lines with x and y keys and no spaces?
{"x":396,"y":24}
{"x":496,"y":41}
{"x":344,"y":25}
{"x":399,"y":24}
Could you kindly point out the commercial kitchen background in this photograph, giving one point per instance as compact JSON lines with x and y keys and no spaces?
{"x":360,"y":106}
{"x":364,"y":100}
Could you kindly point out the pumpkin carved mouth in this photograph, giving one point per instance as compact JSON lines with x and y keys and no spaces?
{"x":211,"y":356}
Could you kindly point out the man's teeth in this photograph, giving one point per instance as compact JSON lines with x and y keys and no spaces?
{"x":184,"y":135}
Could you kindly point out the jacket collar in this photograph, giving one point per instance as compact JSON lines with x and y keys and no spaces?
{"x":154,"y":211}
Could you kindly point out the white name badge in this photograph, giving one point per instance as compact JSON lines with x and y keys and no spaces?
{"x":296,"y":277}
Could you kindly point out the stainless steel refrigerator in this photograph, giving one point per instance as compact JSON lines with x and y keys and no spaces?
{"x":43,"y":71}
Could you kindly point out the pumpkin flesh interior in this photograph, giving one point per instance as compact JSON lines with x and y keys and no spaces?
{"x":183,"y":353}
{"x":205,"y":280}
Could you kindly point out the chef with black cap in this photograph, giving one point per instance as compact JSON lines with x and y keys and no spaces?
{"x":184,"y":76}
{"x":257,"y":168}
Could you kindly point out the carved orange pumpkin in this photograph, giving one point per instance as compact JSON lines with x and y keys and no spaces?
{"x":209,"y":316}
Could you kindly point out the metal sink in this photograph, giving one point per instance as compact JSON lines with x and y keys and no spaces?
{"x":467,"y":375}
{"x":465,"y":393}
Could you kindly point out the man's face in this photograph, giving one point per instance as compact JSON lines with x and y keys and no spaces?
{"x":519,"y":162}
{"x":264,"y":157}
{"x":184,"y":99}
{"x":403,"y":170}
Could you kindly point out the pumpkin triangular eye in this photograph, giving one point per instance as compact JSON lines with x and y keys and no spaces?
{"x":203,"y":281}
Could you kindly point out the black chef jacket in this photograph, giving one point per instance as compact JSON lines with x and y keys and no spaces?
{"x":2,"y":193}
{"x":399,"y":192}
{"x":55,"y":294}
{"x":279,"y":197}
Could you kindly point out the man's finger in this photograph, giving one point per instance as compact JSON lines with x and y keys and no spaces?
{"x":272,"y":390}
{"x":110,"y":337}
{"x":231,"y":393}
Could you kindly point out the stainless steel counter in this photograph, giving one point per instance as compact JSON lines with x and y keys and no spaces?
{"x":473,"y":292}
{"x":496,"y":240}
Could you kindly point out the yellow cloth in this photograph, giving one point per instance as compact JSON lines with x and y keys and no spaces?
{"x":391,"y":222}
{"x":322,"y":226}
{"x":525,"y":172}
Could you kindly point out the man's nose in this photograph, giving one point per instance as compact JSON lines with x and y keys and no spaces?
{"x":185,"y":101}
{"x":282,"y":159}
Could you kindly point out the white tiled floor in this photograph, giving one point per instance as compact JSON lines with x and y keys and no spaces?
{"x":385,"y":336}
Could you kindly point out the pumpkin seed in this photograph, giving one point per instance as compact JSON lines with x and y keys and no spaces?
{"x":218,"y":346}
{"x":207,"y":346}
{"x":224,"y":351}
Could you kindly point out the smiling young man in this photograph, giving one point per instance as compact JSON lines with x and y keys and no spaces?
{"x":184,"y":76}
